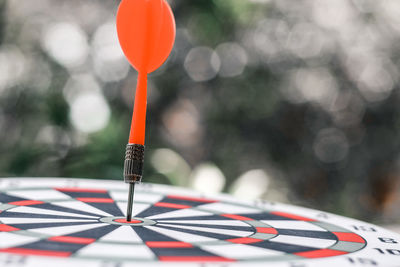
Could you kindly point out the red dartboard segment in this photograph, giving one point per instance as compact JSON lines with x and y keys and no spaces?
{"x":171,"y":205}
{"x":320,"y":253}
{"x":95,"y":200}
{"x":267,"y":230}
{"x":350,"y":237}
{"x":7,"y":228}
{"x":80,"y":190}
{"x":72,"y":239}
{"x":168,"y":244}
{"x":195,"y":199}
{"x":36,"y":252}
{"x":292,"y":216}
{"x":26,"y":203}
{"x":244,"y":240}
{"x":195,"y":259}
{"x":237,"y":217}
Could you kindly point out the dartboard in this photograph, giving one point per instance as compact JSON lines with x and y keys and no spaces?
{"x":82,"y":222}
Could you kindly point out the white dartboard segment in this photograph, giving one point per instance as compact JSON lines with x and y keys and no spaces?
{"x":41,"y":211}
{"x":208,"y":222}
{"x":45,"y":194}
{"x":81,"y":222}
{"x":78,"y":205}
{"x":121,"y":235}
{"x":183,"y":237}
{"x":65,"y":230}
{"x":209,"y":230}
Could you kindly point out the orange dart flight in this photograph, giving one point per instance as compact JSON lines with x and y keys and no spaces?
{"x":146,"y":32}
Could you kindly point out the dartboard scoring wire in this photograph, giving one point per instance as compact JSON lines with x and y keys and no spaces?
{"x":146,"y":32}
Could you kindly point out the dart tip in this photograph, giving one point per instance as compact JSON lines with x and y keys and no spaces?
{"x":130,"y":201}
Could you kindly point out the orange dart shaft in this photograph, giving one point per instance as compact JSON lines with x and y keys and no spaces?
{"x":138,"y":125}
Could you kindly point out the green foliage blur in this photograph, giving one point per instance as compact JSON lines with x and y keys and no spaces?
{"x":295,"y":101}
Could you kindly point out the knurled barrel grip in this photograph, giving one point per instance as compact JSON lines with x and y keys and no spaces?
{"x":133,"y":165}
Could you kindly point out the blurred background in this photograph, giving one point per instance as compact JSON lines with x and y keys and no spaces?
{"x":291,"y":101}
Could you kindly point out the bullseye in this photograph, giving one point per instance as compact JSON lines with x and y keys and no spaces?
{"x":125,"y":221}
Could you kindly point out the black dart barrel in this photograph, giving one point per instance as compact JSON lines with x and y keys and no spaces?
{"x":133,"y":171}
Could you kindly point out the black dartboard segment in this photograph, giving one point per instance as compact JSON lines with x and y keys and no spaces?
{"x":82,"y":222}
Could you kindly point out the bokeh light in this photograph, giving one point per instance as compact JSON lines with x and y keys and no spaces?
{"x":66,"y":43}
{"x":12,"y":66}
{"x":109,"y":61}
{"x":202,"y":64}
{"x":233,"y":59}
{"x":89,"y":112}
{"x":208,"y":178}
{"x":250,"y":185}
{"x":331,"y":145}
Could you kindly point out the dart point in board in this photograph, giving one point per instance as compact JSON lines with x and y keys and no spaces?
{"x":146,"y":32}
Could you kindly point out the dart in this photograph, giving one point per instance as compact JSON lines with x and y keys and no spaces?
{"x":146,"y":32}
